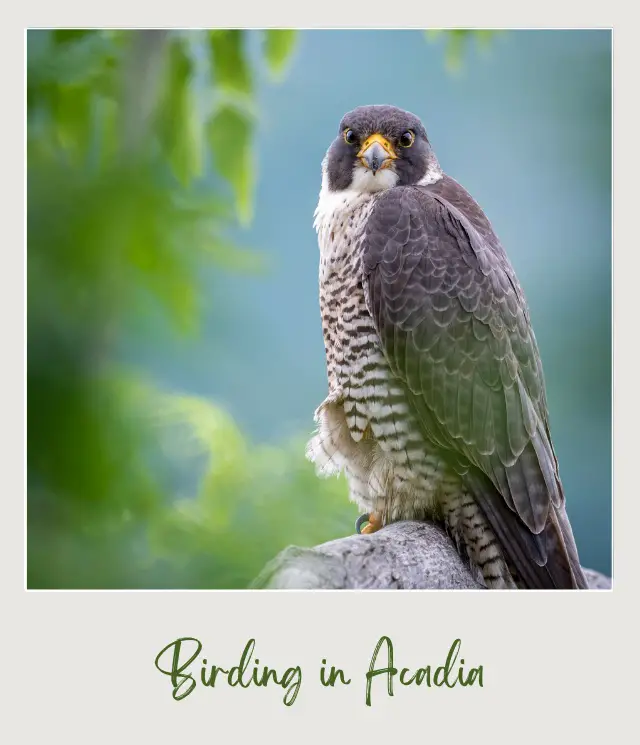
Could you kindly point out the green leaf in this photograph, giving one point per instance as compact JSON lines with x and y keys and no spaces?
{"x":454,"y":49}
{"x":433,"y":33}
{"x":278,"y":46}
{"x":79,"y":61}
{"x":457,"y":42}
{"x":179,"y":126}
{"x":64,"y":35}
{"x":72,"y":116}
{"x":67,"y":82}
{"x":230,"y":64}
{"x":105,"y":118}
{"x":229,"y":132}
{"x":210,"y":429}
{"x":485,"y":38}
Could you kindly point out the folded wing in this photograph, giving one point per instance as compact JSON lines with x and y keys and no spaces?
{"x":454,"y":325}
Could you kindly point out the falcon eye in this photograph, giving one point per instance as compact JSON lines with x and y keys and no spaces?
{"x":406,"y":139}
{"x":350,"y":137}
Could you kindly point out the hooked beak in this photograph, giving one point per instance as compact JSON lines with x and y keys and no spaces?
{"x":376,"y":153}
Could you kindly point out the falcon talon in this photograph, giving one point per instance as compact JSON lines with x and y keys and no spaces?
{"x":375,"y":523}
{"x":372,"y":523}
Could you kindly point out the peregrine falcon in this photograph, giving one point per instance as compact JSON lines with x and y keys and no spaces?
{"x":436,"y":407}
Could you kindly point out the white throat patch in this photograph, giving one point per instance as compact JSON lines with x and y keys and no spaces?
{"x":367,"y":181}
{"x":363,"y":187}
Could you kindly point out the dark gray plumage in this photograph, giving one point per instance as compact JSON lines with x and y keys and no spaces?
{"x":455,"y":327}
{"x":449,"y":366}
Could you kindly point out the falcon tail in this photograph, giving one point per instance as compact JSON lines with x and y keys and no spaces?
{"x":548,"y":560}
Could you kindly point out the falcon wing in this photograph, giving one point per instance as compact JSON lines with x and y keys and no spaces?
{"x":454,"y":326}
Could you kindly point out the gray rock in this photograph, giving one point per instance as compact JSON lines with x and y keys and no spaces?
{"x":405,"y":556}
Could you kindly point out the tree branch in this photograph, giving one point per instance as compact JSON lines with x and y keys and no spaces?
{"x":405,"y":555}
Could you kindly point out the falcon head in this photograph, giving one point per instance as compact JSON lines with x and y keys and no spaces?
{"x":379,"y":147}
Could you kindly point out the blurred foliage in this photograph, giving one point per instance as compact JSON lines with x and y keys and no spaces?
{"x":140,"y":158}
{"x":457,"y":41}
{"x":250,"y":503}
{"x":123,"y":128}
{"x":279,"y":44}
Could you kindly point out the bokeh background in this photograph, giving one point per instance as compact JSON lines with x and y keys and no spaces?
{"x":175,"y":355}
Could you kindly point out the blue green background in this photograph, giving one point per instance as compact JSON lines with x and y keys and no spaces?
{"x":524,"y":123}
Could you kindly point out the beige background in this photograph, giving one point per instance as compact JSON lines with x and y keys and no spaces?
{"x":558,"y":667}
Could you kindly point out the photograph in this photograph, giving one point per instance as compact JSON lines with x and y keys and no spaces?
{"x":318,"y":309}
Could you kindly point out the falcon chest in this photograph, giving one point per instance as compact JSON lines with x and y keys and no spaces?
{"x":354,"y":358}
{"x":365,"y":425}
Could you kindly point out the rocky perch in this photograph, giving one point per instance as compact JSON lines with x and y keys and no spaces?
{"x":405,"y":556}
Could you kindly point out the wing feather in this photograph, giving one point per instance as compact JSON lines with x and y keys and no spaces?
{"x":454,"y":326}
